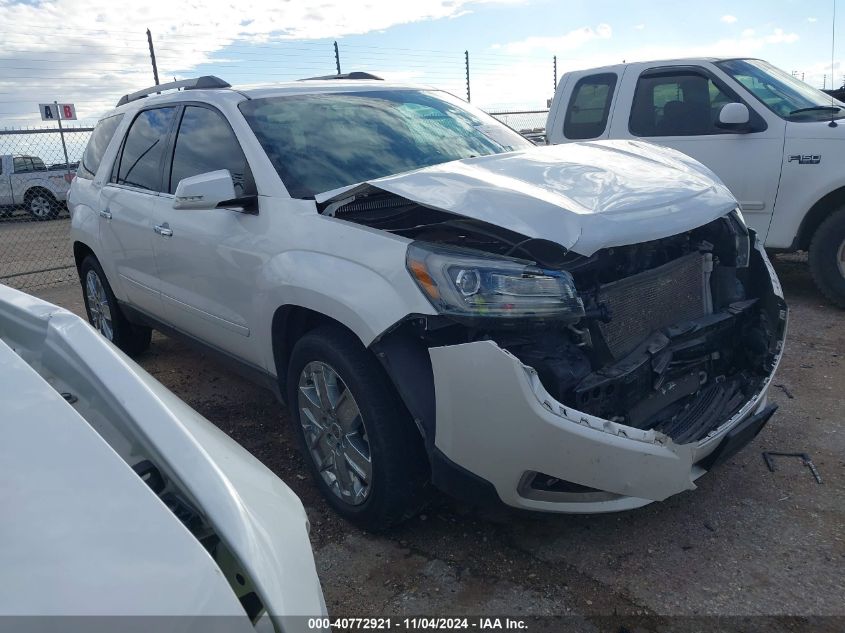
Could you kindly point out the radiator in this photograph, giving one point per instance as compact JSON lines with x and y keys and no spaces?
{"x":663,"y":296}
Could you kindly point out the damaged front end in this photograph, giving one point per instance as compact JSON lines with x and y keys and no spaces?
{"x":668,"y":343}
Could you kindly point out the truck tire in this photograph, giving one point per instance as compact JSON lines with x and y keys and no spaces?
{"x":361,"y":445}
{"x":104,"y":312}
{"x":827,"y":257}
{"x":41,"y":204}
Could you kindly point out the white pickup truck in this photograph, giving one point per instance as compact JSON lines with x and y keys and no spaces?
{"x":776,"y":142}
{"x":25,"y":181}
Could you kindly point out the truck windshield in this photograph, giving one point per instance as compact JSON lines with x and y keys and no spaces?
{"x":782,"y":93}
{"x":318,"y":142}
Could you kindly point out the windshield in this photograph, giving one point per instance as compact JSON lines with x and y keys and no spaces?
{"x":319,"y":142}
{"x":782,"y":93}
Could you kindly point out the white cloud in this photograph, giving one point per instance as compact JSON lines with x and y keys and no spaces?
{"x":779,"y":36}
{"x":749,"y":33}
{"x":728,"y":19}
{"x":566,"y":42}
{"x":91,"y":57}
{"x":639,"y":27}
{"x":812,"y":19}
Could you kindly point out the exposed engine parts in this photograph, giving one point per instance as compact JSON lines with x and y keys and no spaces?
{"x":675,"y":335}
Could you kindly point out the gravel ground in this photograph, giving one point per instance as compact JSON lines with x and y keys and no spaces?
{"x":747,"y":542}
{"x":35,"y":253}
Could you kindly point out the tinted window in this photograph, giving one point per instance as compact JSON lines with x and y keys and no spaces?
{"x":319,"y":142}
{"x":684,"y":103}
{"x":206,"y":143}
{"x":589,"y":106}
{"x":143,"y":150}
{"x":23,"y":164}
{"x":97,"y":145}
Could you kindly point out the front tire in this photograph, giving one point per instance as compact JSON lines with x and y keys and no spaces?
{"x":827,"y":257}
{"x":104,"y":312}
{"x":360,"y":443}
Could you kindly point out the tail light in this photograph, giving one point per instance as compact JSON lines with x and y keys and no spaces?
{"x":69,"y":177}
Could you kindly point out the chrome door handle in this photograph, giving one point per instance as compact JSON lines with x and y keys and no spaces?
{"x":105,"y":213}
{"x":163,"y":229}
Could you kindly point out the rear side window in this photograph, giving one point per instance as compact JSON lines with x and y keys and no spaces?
{"x":143,"y":150}
{"x":23,"y":164}
{"x":97,"y":144}
{"x":205,"y":142}
{"x":589,"y":106}
{"x":677,"y":103}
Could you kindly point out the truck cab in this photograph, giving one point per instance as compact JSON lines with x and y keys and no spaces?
{"x":776,"y":142}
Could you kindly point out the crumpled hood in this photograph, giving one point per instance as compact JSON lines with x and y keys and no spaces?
{"x":584,"y":196}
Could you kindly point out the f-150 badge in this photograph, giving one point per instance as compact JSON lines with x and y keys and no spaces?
{"x":806,"y":159}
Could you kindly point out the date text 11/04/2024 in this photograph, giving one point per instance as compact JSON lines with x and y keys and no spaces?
{"x":418,"y":624}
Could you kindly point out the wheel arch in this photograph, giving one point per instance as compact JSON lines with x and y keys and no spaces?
{"x":81,"y":250}
{"x":817,"y":214}
{"x":36,"y":189}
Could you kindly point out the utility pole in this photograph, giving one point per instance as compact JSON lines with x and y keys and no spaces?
{"x":337,"y":57}
{"x":466,"y":62}
{"x":554,"y":61}
{"x":152,"y":55}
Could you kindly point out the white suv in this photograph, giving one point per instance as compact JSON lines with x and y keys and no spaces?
{"x":587,"y":327}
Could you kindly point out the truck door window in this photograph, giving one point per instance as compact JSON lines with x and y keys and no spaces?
{"x":684,"y":103}
{"x":97,"y":144}
{"x":143,"y":151}
{"x":589,"y":106}
{"x":205,"y":143}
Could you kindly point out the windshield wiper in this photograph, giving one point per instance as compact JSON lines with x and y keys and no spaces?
{"x":820,"y":108}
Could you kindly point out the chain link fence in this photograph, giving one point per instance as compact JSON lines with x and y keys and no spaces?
{"x":35,"y":248}
{"x":530,"y":123}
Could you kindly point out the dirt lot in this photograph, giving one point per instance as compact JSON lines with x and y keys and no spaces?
{"x":748,"y":542}
{"x":34,"y":253}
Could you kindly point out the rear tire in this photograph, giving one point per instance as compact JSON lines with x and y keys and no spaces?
{"x":827,"y":257}
{"x":41,"y":204}
{"x":104,"y":312}
{"x":365,"y":418}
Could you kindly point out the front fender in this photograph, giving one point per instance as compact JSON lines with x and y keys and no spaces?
{"x":367,"y":300}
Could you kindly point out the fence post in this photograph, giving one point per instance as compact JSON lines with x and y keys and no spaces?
{"x":337,"y":57}
{"x":62,"y":136}
{"x":554,"y":61}
{"x":466,"y":62}
{"x":152,"y":55}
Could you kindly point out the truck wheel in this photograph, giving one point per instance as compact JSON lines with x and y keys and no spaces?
{"x":827,"y":257}
{"x":104,"y":312}
{"x":360,"y":443}
{"x":41,"y":204}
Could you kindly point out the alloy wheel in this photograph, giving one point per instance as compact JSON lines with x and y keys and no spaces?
{"x":99,"y":312}
{"x":40,"y":207}
{"x":334,"y":432}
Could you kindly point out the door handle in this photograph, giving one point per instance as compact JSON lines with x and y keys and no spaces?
{"x":105,"y":213}
{"x":163,"y":229}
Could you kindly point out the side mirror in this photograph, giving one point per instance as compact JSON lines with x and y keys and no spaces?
{"x":214,"y":189}
{"x":734,"y":116}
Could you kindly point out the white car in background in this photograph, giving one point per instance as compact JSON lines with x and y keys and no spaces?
{"x":580,"y":328}
{"x":120,"y":500}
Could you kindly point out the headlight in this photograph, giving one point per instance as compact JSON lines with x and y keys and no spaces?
{"x":741,"y":237}
{"x":469,"y":284}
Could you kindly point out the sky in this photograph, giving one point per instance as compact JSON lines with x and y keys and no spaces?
{"x":91,"y":53}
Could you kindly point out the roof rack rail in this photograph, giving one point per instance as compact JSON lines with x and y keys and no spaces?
{"x":353,"y":75}
{"x":197,"y":83}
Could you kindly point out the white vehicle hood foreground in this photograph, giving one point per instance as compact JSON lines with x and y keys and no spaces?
{"x":584,"y":196}
{"x":84,"y":535}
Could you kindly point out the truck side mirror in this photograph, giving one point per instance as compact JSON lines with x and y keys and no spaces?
{"x":734,"y":117}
